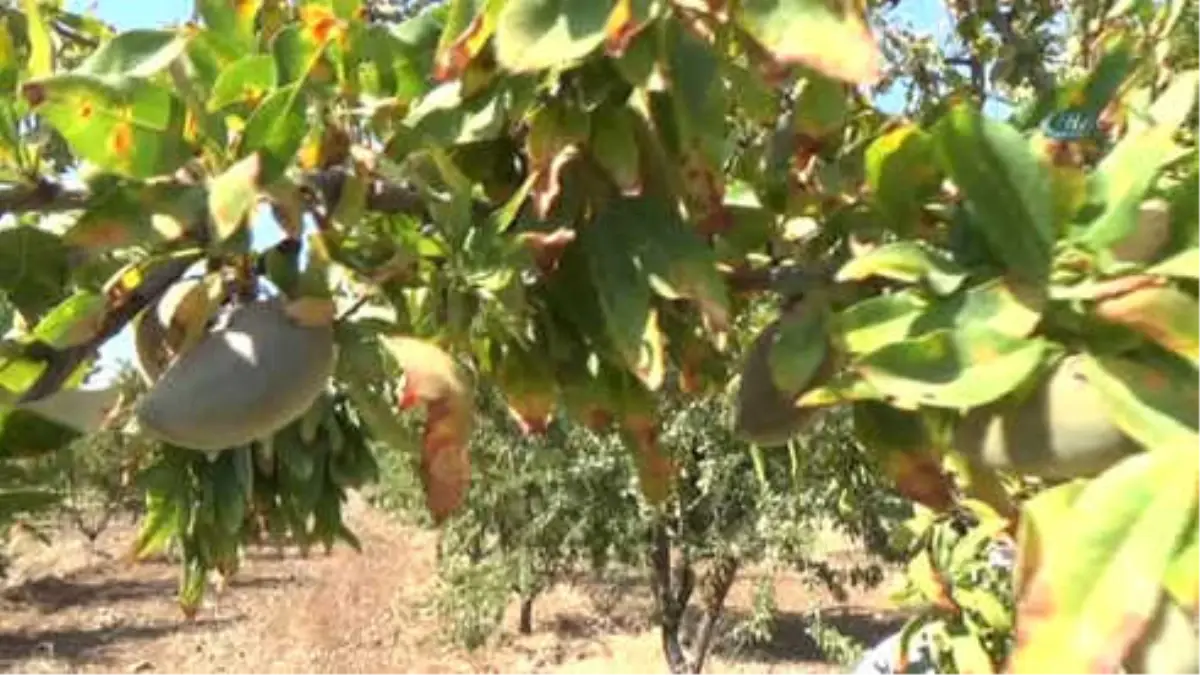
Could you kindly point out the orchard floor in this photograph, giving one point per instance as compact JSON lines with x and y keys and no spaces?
{"x":81,"y":608}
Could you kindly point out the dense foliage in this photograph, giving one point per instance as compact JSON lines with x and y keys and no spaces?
{"x":580,"y":202}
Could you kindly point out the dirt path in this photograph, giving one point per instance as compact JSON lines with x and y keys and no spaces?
{"x":347,"y":612}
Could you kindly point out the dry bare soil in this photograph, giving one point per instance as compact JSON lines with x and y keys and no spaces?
{"x":76,"y":607}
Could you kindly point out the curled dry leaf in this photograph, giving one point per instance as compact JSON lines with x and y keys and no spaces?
{"x":432,"y":377}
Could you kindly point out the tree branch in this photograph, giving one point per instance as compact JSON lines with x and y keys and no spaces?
{"x":60,"y":363}
{"x":71,"y":35}
{"x":44,"y":196}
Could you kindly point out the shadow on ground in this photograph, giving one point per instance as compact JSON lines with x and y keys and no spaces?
{"x":792,"y":639}
{"x":88,"y":644}
{"x":52,"y":594}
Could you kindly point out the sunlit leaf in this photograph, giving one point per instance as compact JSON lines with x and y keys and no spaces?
{"x":276,"y":128}
{"x":1124,"y":178}
{"x":231,"y":20}
{"x":135,"y":53}
{"x":465,"y":36}
{"x":248,"y":80}
{"x":41,"y":50}
{"x":900,"y":172}
{"x":872,"y":323}
{"x":132,"y":127}
{"x":626,"y":21}
{"x":829,"y":37}
{"x":952,"y":369}
{"x":1182,"y":265}
{"x":536,"y":34}
{"x":1092,"y":566}
{"x":1005,"y":306}
{"x":906,"y":261}
{"x":1007,"y":189}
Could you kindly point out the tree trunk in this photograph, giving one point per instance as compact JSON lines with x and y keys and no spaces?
{"x":525,"y":623}
{"x":716,"y":587}
{"x":672,"y":588}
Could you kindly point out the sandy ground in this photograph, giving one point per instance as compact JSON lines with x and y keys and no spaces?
{"x":80,"y":608}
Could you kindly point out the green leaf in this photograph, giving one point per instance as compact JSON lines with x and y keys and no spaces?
{"x":1096,"y":566}
{"x":799,"y":349}
{"x":276,"y":128}
{"x":1124,"y":178}
{"x":540,"y":34}
{"x":41,"y":50}
{"x":400,"y":72}
{"x":232,"y":22}
{"x":228,"y":494}
{"x":1182,"y":578}
{"x":814,"y":34}
{"x":246,"y":81}
{"x":73,"y":321}
{"x":233,"y":195}
{"x":820,"y":107}
{"x":34,"y":269}
{"x":295,"y":54}
{"x":24,"y":433}
{"x":1007,"y":189}
{"x":673,"y":258}
{"x":1153,"y":402}
{"x":191,"y":585}
{"x":135,"y":53}
{"x":444,"y":119}
{"x":901,"y":171}
{"x":624,"y":296}
{"x":132,"y":127}
{"x":952,"y":369}
{"x":878,"y":321}
{"x":906,"y":261}
{"x":1182,"y":265}
{"x":614,"y":145}
{"x":1000,"y":305}
{"x":164,"y":512}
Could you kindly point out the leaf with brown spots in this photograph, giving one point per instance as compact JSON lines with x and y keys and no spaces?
{"x":133,"y":128}
{"x":1164,"y":314}
{"x":432,"y":378}
{"x":1094,"y":558}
